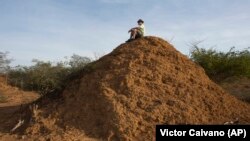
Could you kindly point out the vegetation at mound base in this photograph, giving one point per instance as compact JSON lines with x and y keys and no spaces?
{"x":221,"y":65}
{"x":46,"y":77}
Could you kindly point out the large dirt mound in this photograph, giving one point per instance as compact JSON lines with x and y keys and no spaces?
{"x":141,"y":84}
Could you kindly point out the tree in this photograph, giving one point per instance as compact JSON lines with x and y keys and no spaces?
{"x":78,"y":62}
{"x":4,"y":62}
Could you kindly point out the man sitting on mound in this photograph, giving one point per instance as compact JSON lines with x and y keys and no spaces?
{"x":137,"y":32}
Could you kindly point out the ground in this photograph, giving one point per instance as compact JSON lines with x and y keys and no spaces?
{"x":12,"y":100}
{"x":237,"y":86}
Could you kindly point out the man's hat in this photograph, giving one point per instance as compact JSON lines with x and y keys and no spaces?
{"x":140,"y":21}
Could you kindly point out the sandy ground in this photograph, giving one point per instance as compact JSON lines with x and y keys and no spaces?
{"x":12,"y":102}
{"x":237,"y":86}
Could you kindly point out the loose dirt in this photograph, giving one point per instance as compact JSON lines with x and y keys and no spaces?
{"x":237,"y":86}
{"x":123,"y":95}
{"x":13,"y":102}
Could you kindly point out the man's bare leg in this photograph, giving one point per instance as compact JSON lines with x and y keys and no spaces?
{"x":133,"y":33}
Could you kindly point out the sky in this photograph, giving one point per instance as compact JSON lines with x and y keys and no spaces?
{"x":52,"y":29}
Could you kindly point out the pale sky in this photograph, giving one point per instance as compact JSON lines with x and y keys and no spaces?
{"x":52,"y":29}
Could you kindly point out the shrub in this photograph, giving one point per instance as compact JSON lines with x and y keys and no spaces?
{"x":220,"y":65}
{"x":45,"y":77}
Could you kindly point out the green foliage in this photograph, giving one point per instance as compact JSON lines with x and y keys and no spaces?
{"x":220,"y":65}
{"x":77,"y":62}
{"x":46,"y":77}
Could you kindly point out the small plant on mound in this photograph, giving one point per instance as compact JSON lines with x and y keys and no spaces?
{"x":220,"y":65}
